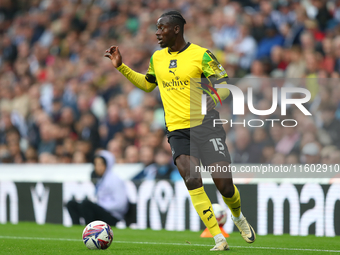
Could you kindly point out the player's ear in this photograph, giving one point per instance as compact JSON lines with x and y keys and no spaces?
{"x":177,"y":29}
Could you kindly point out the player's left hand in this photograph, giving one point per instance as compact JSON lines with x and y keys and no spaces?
{"x":210,"y":104}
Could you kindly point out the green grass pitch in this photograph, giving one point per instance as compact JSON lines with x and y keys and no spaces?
{"x":30,"y":238}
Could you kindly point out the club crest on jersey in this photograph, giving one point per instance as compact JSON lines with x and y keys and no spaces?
{"x":173,"y":63}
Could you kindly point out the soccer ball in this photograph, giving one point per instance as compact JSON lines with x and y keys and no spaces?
{"x":97,"y":235}
{"x":220,"y":214}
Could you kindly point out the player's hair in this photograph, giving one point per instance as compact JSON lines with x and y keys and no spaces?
{"x":176,"y":18}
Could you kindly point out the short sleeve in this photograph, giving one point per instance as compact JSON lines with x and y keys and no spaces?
{"x":212,"y":68}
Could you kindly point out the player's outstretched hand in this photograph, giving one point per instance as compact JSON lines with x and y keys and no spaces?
{"x":114,"y":55}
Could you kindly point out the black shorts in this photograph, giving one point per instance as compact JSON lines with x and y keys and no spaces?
{"x":204,"y":142}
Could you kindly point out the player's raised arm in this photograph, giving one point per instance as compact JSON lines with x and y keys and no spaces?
{"x":141,"y":81}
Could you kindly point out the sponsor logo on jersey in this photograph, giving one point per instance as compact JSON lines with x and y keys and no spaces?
{"x":175,"y":83}
{"x":222,"y":69}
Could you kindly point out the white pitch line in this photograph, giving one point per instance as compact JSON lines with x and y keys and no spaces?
{"x":39,"y":238}
{"x":180,"y":244}
{"x":233,"y":246}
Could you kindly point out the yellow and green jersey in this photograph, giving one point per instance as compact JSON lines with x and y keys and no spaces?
{"x":178,"y":76}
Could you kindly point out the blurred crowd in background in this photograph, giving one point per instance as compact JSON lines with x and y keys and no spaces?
{"x":61,"y":100}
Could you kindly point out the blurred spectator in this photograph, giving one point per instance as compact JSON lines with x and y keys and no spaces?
{"x":115,"y":148}
{"x":244,"y":151}
{"x":278,"y":158}
{"x":98,"y":106}
{"x":165,"y":166}
{"x":311,"y":70}
{"x":294,"y":33}
{"x":330,"y":124}
{"x":47,"y":158}
{"x":271,"y":39}
{"x":258,"y":29}
{"x":292,"y":158}
{"x":5,"y":126}
{"x":311,"y":153}
{"x":297,"y":66}
{"x":289,"y":140}
{"x":254,"y":78}
{"x":16,"y":153}
{"x":65,"y":158}
{"x":224,"y":29}
{"x":48,"y":142}
{"x":328,"y":62}
{"x":335,"y":157}
{"x":88,"y":130}
{"x":268,"y":152}
{"x":113,"y":124}
{"x":245,"y":48}
{"x":9,"y":49}
{"x":278,"y":59}
{"x":20,"y":102}
{"x":260,"y":138}
{"x":276,"y":133}
{"x":78,"y":158}
{"x":146,"y":157}
{"x":56,"y":109}
{"x":129,"y":132}
{"x":326,"y":153}
{"x":68,"y":146}
{"x":31,"y":155}
{"x":112,"y":201}
{"x":84,"y":147}
{"x":5,"y":156}
{"x":131,"y":154}
{"x":323,"y":15}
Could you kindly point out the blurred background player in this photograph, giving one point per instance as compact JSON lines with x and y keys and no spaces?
{"x":112,"y":201}
{"x":191,"y":135}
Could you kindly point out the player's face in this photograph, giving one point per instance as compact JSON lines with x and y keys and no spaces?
{"x":99,"y":166}
{"x":165,"y":33}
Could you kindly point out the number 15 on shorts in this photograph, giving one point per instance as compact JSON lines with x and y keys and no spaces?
{"x":218,"y":145}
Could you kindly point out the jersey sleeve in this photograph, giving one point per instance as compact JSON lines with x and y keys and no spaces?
{"x":150,"y":75}
{"x":215,"y":73}
{"x":137,"y":79}
{"x":211,"y":68}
